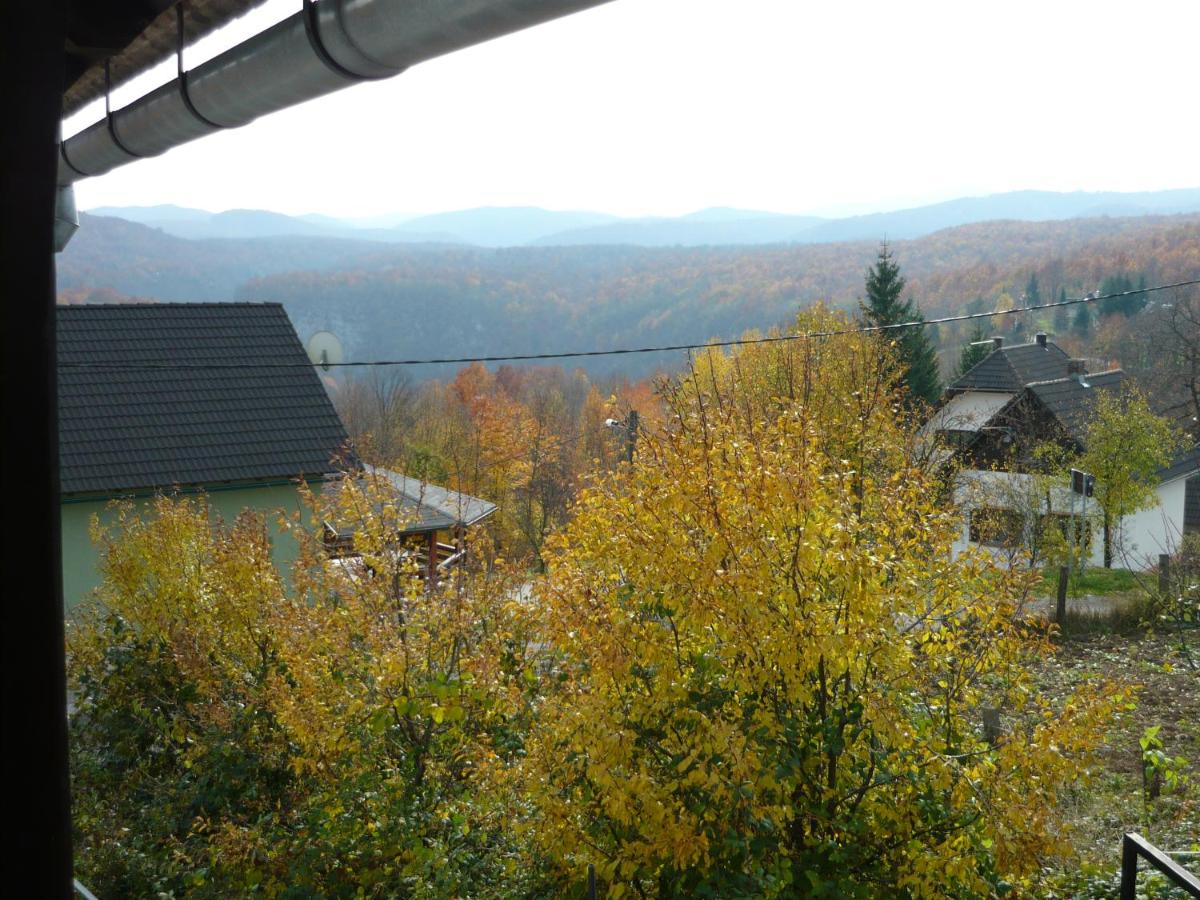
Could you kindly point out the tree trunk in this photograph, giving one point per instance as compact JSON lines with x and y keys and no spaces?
{"x":1107,"y":541}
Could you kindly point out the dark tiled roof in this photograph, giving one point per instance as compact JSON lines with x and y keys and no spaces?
{"x":1011,"y":368}
{"x":1072,"y":403}
{"x":1185,"y":462}
{"x":128,"y":429}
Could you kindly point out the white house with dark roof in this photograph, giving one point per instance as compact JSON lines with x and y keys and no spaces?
{"x":1059,"y":409}
{"x":970,"y":401}
{"x":213,"y":399}
{"x":217,"y":399}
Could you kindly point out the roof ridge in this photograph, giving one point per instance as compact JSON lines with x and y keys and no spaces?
{"x":1046,"y":346}
{"x":1066,"y":378}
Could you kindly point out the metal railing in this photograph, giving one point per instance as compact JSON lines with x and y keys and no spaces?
{"x":83,"y":893}
{"x":1134,"y":845}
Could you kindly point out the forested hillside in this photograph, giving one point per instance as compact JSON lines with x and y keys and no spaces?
{"x":138,"y":260}
{"x":515,"y":226}
{"x":422,"y":301}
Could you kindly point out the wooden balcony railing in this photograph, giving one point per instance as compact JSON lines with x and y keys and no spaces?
{"x":1133,"y":846}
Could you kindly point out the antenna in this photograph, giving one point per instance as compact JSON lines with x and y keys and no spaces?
{"x":324,"y":349}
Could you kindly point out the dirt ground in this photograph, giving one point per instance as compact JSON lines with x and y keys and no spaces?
{"x":1169,"y":697}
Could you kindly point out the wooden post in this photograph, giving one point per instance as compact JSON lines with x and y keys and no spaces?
{"x":991,"y":725}
{"x":1060,"y":608}
{"x":431,"y":563}
{"x":1164,"y":573}
{"x":1129,"y":861}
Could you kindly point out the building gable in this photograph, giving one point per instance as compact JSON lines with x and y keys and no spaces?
{"x":1009,"y":369}
{"x":162,"y":395}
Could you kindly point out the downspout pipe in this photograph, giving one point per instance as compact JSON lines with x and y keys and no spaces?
{"x":325,"y":47}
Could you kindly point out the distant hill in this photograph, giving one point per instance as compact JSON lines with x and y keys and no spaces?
{"x":195,"y":224}
{"x":1028,"y":206}
{"x":735,"y":227}
{"x":473,"y":301}
{"x":138,"y":260}
{"x":718,"y":226}
{"x":727,"y":214}
{"x":154,"y":216}
{"x":485,"y":227}
{"x":503,"y":226}
{"x":689,"y":231}
{"x":452,"y":300}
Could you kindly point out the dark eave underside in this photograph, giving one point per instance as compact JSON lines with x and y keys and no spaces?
{"x":136,"y":34}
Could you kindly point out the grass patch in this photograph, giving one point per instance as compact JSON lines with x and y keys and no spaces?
{"x":1096,"y":580}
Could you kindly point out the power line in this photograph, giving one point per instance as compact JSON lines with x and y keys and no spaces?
{"x":580,"y":354}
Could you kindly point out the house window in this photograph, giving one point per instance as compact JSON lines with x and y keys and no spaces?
{"x":996,"y":527}
{"x":957,"y":438}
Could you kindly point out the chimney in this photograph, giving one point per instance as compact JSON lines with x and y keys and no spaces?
{"x":1076,"y":366}
{"x":1040,"y":337}
{"x":997,"y":343}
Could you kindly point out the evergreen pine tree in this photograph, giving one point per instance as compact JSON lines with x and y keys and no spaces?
{"x":885,"y":306}
{"x":972,"y":352}
{"x":1033,"y":295}
{"x":1081,"y":324}
{"x":1062,"y":315}
{"x":1125,"y":306}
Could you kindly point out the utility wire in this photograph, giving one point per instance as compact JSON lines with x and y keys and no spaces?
{"x":579,"y":354}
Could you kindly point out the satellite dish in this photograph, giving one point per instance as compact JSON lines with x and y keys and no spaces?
{"x":324,"y":349}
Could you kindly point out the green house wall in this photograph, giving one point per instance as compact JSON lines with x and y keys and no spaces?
{"x":81,"y":557}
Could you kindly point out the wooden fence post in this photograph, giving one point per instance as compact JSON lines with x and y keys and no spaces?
{"x":1060,"y":608}
{"x":1164,"y":573}
{"x":991,"y":725}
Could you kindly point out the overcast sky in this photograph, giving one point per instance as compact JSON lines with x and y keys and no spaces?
{"x":660,"y":107}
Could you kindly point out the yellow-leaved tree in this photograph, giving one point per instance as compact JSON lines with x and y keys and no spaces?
{"x":769,"y":674}
{"x":236,"y":735}
{"x":1126,"y":445}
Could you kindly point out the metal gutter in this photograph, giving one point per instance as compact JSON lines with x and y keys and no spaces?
{"x":194,"y":489}
{"x":325,"y":47}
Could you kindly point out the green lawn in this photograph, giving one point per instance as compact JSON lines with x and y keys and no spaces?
{"x":1098,"y":581}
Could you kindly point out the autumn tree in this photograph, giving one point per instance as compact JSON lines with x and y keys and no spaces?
{"x":378,"y":411}
{"x":1174,"y":352}
{"x":885,"y":306}
{"x":235,"y":735}
{"x":1126,"y":444}
{"x":767,"y":670}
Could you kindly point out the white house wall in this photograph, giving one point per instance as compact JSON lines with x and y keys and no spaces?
{"x":1138,"y":541}
{"x":981,"y":488}
{"x":967,"y":411}
{"x":1143,"y":536}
